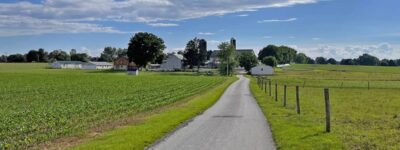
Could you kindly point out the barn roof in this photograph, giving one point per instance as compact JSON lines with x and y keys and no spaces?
{"x":69,"y":62}
{"x":101,"y":63}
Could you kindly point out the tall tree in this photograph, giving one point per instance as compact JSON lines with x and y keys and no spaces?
{"x":283,"y":54}
{"x":43,"y":55}
{"x":270,"y":61}
{"x":144,"y":48}
{"x":301,"y":58}
{"x":122,"y":52}
{"x":320,"y":60}
{"x":80,"y":57}
{"x":227,"y":57}
{"x":191,"y":54}
{"x":195,"y":53}
{"x":332,"y":61}
{"x":248,"y":60}
{"x":368,"y":60}
{"x":59,"y":55}
{"x":32,"y":56}
{"x":108,"y":54}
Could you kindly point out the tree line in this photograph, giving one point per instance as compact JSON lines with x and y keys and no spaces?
{"x":273,"y":55}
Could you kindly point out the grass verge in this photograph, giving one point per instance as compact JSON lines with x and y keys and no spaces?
{"x":292,"y":131}
{"x":155,"y":125}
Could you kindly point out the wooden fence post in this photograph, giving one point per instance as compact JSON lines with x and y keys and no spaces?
{"x":297,"y":100}
{"x":284,"y":95}
{"x":276,"y":91}
{"x":327,"y":110}
{"x":265,"y":86}
{"x":270,"y":88}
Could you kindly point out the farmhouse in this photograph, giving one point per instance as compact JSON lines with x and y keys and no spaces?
{"x":97,"y":66}
{"x":213,"y":62}
{"x":121,"y":63}
{"x":262,"y":70}
{"x":173,"y":62}
{"x":66,"y":65}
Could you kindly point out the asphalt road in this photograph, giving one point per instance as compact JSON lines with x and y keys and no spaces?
{"x":235,"y":122}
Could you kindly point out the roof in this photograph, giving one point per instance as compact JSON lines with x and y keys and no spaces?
{"x":262,"y":65}
{"x":100,"y":63}
{"x":179,"y":56}
{"x":69,"y":62}
{"x":238,"y":51}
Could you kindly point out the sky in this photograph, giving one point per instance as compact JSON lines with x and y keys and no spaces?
{"x":329,"y":28}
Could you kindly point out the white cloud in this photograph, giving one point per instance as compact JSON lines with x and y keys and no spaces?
{"x":163,"y":24}
{"x":382,"y":50}
{"x":205,"y":33}
{"x":316,"y":38}
{"x":243,"y":15}
{"x":19,"y":25}
{"x":151,"y":12}
{"x":277,"y":20}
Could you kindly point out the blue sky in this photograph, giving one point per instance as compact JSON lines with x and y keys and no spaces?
{"x":329,"y":28}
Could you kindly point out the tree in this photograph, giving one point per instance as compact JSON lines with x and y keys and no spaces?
{"x":301,"y":58}
{"x":392,"y":63}
{"x":320,"y":60}
{"x":16,"y":58}
{"x":347,"y":62}
{"x":310,"y":60}
{"x":209,"y":54}
{"x":108,"y":54}
{"x":368,"y":60}
{"x":191,"y":54}
{"x":80,"y":57}
{"x":384,"y":62}
{"x":59,"y":55}
{"x":43,"y":55}
{"x":144,"y":48}
{"x":248,"y":60}
{"x":283,"y":54}
{"x":32,"y":55}
{"x":160,"y":58}
{"x":227,"y":57}
{"x":122,"y":52}
{"x":270,"y":61}
{"x":270,"y":50}
{"x":195,"y":53}
{"x":332,"y":61}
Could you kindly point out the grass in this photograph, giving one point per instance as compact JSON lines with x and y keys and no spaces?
{"x":154,"y":126}
{"x":40,"y":104}
{"x":361,"y":118}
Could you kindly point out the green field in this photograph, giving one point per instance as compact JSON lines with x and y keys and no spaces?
{"x":39,"y":104}
{"x":362,"y":117}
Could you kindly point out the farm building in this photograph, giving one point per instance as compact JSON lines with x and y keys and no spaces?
{"x":213,"y":61}
{"x":97,"y":65}
{"x":262,"y":70}
{"x":154,"y":67}
{"x":121,"y":63}
{"x":66,"y":65}
{"x":173,"y":62}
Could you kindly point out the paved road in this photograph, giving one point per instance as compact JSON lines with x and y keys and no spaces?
{"x":235,"y":122}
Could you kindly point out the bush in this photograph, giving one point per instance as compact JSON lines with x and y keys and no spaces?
{"x":270,"y":61}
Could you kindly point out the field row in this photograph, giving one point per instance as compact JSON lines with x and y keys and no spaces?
{"x":38,"y":106}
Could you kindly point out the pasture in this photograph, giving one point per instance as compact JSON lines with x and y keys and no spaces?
{"x":39,"y":104}
{"x":361,"y":117}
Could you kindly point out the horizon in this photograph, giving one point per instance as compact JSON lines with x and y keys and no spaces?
{"x":329,"y":28}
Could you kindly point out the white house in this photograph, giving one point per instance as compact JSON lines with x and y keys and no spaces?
{"x":66,"y":65}
{"x":97,"y":65}
{"x":173,"y":62}
{"x":262,"y":70}
{"x":121,"y":63}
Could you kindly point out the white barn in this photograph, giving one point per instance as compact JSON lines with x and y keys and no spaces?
{"x":97,"y":66}
{"x":66,"y":65}
{"x":173,"y":62}
{"x":262,"y":70}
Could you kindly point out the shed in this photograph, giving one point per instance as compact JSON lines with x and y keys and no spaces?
{"x":173,"y":62}
{"x":262,"y":70}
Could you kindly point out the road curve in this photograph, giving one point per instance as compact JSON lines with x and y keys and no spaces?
{"x":235,"y":122}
